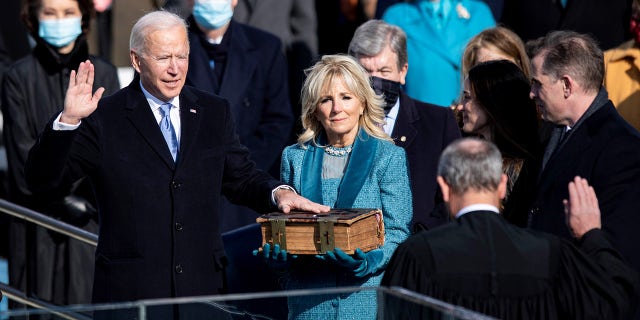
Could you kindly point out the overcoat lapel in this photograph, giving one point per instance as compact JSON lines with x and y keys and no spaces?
{"x":142,"y":119}
{"x":358,"y":169}
{"x":190,"y":123}
{"x":565,"y":158}
{"x":405,"y":123}
{"x":310,"y":174}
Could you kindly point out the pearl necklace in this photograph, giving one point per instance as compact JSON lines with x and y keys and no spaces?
{"x":337,"y":152}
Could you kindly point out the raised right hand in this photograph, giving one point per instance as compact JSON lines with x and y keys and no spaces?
{"x":581,"y":209}
{"x":80,"y":101}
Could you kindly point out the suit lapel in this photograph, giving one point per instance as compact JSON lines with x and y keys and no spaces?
{"x":240,"y":66}
{"x":358,"y":169}
{"x":564,"y":158}
{"x":404,"y":130}
{"x":141,"y":117}
{"x":190,"y":119}
{"x":576,"y":145}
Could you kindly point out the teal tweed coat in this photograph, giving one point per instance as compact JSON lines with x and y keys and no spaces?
{"x":435,"y":52}
{"x":376,"y":177}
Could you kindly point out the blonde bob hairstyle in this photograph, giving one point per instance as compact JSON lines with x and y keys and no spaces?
{"x":497,"y":38}
{"x":356,"y":79}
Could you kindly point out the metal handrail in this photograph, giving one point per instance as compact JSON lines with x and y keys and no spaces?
{"x":18,"y":296}
{"x":48,"y":222}
{"x":51,"y":224}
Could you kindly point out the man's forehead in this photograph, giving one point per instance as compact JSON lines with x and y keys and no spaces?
{"x":378,"y":61}
{"x":158,"y":46}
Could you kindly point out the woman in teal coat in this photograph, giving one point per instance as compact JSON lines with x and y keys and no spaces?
{"x":437,"y":32}
{"x":344,"y":159}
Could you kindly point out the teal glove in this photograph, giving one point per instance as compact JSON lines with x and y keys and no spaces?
{"x":361,"y":264}
{"x":276,"y":258}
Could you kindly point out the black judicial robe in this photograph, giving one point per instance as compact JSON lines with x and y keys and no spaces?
{"x":483,"y":263}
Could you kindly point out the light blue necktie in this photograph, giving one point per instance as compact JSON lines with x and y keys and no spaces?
{"x":168,"y":131}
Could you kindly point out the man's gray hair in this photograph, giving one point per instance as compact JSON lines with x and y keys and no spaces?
{"x":372,"y":36}
{"x":571,"y":53}
{"x":152,"y":21}
{"x":471,"y":164}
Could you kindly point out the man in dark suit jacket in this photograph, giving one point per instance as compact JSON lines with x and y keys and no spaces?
{"x":246,"y":66}
{"x":590,"y":140}
{"x":159,"y":217}
{"x":486,"y":264}
{"x":422,"y":129}
{"x":295,"y":22}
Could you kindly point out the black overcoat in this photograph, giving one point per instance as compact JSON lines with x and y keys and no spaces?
{"x":159,"y":220}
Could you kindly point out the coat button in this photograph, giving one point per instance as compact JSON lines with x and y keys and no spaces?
{"x":178,"y":268}
{"x":176,"y":184}
{"x":178,"y":226}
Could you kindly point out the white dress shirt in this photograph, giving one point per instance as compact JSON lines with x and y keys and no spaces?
{"x":174,"y":113}
{"x":390,"y":119}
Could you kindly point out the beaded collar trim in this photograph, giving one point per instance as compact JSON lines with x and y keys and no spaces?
{"x":337,"y":152}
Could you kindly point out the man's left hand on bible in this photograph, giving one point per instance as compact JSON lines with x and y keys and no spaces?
{"x":287,"y":200}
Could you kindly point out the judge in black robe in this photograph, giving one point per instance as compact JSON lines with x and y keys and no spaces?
{"x":483,"y":263}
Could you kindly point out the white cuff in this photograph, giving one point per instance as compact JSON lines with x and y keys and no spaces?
{"x":61,"y":126}
{"x":280,"y":187}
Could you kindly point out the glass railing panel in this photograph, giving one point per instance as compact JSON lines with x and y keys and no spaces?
{"x":394,"y":303}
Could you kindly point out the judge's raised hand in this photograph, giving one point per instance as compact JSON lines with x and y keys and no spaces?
{"x":288,"y":200}
{"x":80,"y":101}
{"x":581,"y":210}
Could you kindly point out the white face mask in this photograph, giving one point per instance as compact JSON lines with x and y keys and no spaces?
{"x":60,"y":32}
{"x":212,"y":14}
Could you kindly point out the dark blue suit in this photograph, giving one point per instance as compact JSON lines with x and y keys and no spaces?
{"x":424,"y":130}
{"x":604,"y":149}
{"x":159,"y":220}
{"x":255,"y":84}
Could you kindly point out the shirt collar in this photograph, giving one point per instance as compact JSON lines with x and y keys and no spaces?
{"x":393,"y":113}
{"x":477,"y":207}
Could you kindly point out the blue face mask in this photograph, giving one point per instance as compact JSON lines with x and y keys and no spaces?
{"x":60,"y":32}
{"x":212,"y":14}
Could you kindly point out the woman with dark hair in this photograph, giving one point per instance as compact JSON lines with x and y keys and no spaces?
{"x":33,"y":89}
{"x":496,"y":106}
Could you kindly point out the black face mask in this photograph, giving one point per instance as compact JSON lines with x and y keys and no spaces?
{"x":389,"y":89}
